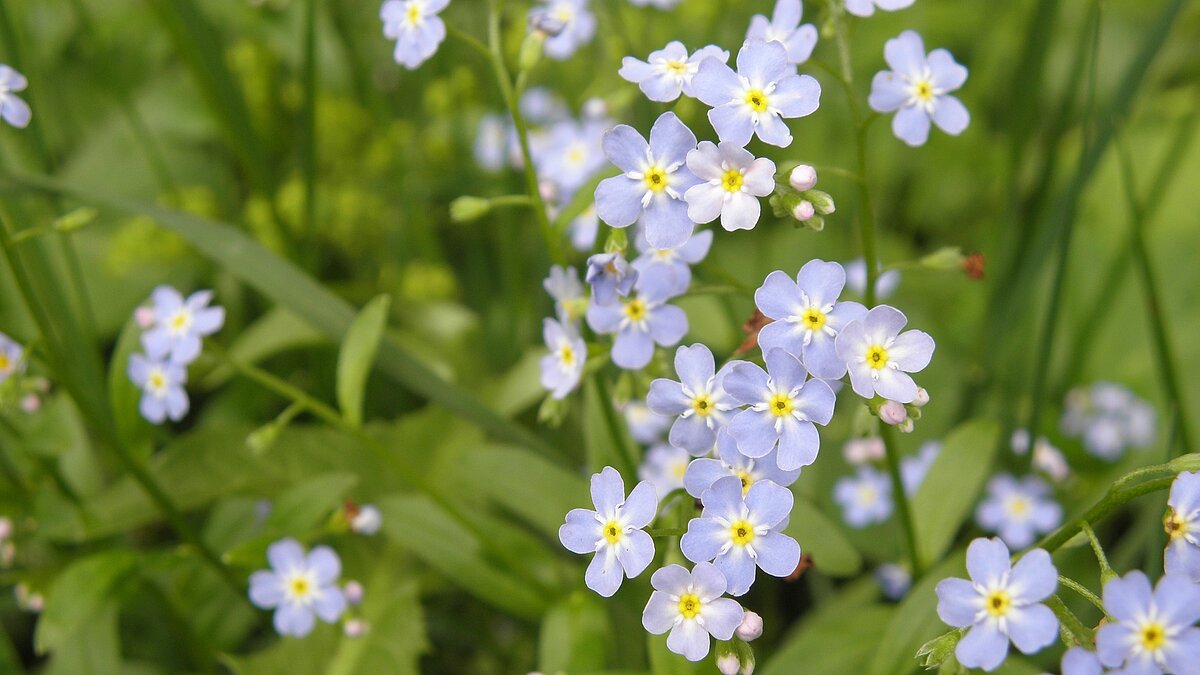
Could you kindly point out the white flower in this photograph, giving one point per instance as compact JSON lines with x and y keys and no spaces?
{"x":668,"y":71}
{"x":733,"y":182}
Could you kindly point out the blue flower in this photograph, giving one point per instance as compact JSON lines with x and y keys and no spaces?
{"x":1080,"y":661}
{"x":689,"y":604}
{"x":540,"y":105}
{"x":865,"y":498}
{"x":609,"y":275}
{"x":702,"y":473}
{"x":653,"y":179}
{"x":645,"y":425}
{"x":894,"y":581}
{"x":416,"y":28}
{"x":12,"y":357}
{"x":784,"y":27}
{"x":919,"y":88}
{"x":741,"y":532}
{"x":999,"y":603}
{"x":807,"y":316}
{"x":668,"y":71}
{"x":1183,"y":526}
{"x":161,"y":382}
{"x":666,"y":271}
{"x":756,"y":99}
{"x":584,"y":229}
{"x":1018,"y":510}
{"x":299,"y":586}
{"x":563,"y":366}
{"x":639,"y":322}
{"x":665,"y":467}
{"x":578,"y":26}
{"x":867,"y":7}
{"x":697,"y":401}
{"x":914,"y":467}
{"x":491,"y":148}
{"x":13,"y":108}
{"x":879,"y":357}
{"x":1152,"y":631}
{"x":732,"y":182}
{"x":572,"y":153}
{"x":783,"y":408}
{"x":1109,"y":418}
{"x":564,"y":286}
{"x":613,"y":531}
{"x":180,"y":325}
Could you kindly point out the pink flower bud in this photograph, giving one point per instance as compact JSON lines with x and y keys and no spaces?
{"x":905,"y":427}
{"x":6,"y":527}
{"x":353,"y":592}
{"x":729,"y":664}
{"x":803,"y":177}
{"x":31,"y":403}
{"x":893,"y":413}
{"x":804,"y":211}
{"x":548,"y":190}
{"x":356,"y":628}
{"x":751,"y":627}
{"x":922,"y":397}
{"x":144,"y":316}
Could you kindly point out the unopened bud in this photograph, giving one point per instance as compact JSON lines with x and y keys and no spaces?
{"x":804,"y":211}
{"x":6,"y":527}
{"x":31,"y":403}
{"x":595,"y":108}
{"x":368,"y":520}
{"x":751,"y":628}
{"x":803,"y":178}
{"x":947,"y":258}
{"x":546,"y":23}
{"x":77,"y":219}
{"x":816,"y":223}
{"x":353,"y":592}
{"x":356,"y":628}
{"x":144,"y":316}
{"x":467,"y":208}
{"x":533,"y":47}
{"x":893,"y":413}
{"x":261,"y":439}
{"x":922,"y":397}
{"x":822,"y":201}
{"x":548,"y":189}
{"x":905,"y":427}
{"x":729,"y":664}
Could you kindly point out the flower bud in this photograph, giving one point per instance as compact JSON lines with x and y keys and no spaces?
{"x":548,"y":189}
{"x":353,"y":592}
{"x":595,"y":108}
{"x":751,"y":627}
{"x":729,"y":664}
{"x":803,"y":178}
{"x":531,"y":49}
{"x":75,"y":220}
{"x":905,"y":427}
{"x":822,"y":201}
{"x":546,"y":23}
{"x":804,"y":211}
{"x":144,"y":316}
{"x":922,"y":397}
{"x":948,"y":258}
{"x":356,"y":628}
{"x":367,"y":521}
{"x":893,"y":413}
{"x":6,"y":527}
{"x":467,"y":208}
{"x":31,"y":403}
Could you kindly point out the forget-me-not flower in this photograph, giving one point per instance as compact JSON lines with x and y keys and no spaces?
{"x":856,"y":279}
{"x":180,"y":325}
{"x":702,"y":473}
{"x":1000,"y":603}
{"x":161,"y":382}
{"x":564,"y":287}
{"x":416,"y":28}
{"x":491,"y":147}
{"x":665,"y":466}
{"x":563,"y":366}
{"x":894,"y":581}
{"x":865,"y":498}
{"x":697,"y":401}
{"x":689,"y":604}
{"x":572,"y":154}
{"x":784,"y":27}
{"x":639,"y":322}
{"x":1152,"y":631}
{"x":13,"y":108}
{"x":879,"y":357}
{"x":299,"y":586}
{"x":807,"y":315}
{"x":613,"y":531}
{"x":609,"y":275}
{"x":740,"y":532}
{"x":645,"y":425}
{"x":919,"y":88}
{"x":867,"y":7}
{"x":1018,"y":510}
{"x":667,"y":72}
{"x":653,"y":180}
{"x":577,"y":21}
{"x":12,"y":357}
{"x":756,"y":99}
{"x":783,"y":408}
{"x":668,"y":270}
{"x":732,"y":182}
{"x":1182,"y":524}
{"x":1109,"y":418}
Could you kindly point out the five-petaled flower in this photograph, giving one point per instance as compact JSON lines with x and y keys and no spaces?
{"x":653,"y":181}
{"x":639,"y":321}
{"x":1151,"y":631}
{"x":13,"y":108}
{"x":756,"y":99}
{"x":563,"y":366}
{"x":416,"y":28}
{"x":784,"y":27}
{"x":613,"y":531}
{"x":667,"y":271}
{"x":741,"y":531}
{"x":865,"y":498}
{"x":180,"y":325}
{"x":665,"y":466}
{"x":689,"y":604}
{"x":919,"y":88}
{"x":1182,"y":524}
{"x":807,"y":315}
{"x":298,"y":586}
{"x":999,"y":603}
{"x":783,"y":408}
{"x":1018,"y":510}
{"x":161,"y":382}
{"x":668,"y":71}
{"x":575,"y":26}
{"x":733,"y":180}
{"x":879,"y":357}
{"x":697,"y":401}
{"x":702,"y":473}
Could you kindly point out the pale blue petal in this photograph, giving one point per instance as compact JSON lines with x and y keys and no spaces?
{"x":783,"y":335}
{"x":785,"y":370}
{"x":911,"y":125}
{"x":605,"y":318}
{"x":822,"y":281}
{"x":325,"y":564}
{"x":816,"y":401}
{"x":769,"y":503}
{"x":912,"y":350}
{"x":294,"y":619}
{"x":632,"y":350}
{"x":797,"y":96}
{"x":153,"y":408}
{"x":1033,"y":578}
{"x":778,"y":297}
{"x":695,"y":366}
{"x":668,"y":325}
{"x":732,"y":123}
{"x":801,"y":44}
{"x":659,"y":615}
{"x":1183,"y":655}
{"x":666,"y":397}
{"x":636,"y":553}
{"x":1080,"y":661}
{"x":958,"y":602}
{"x":176,"y":403}
{"x":778,"y":554}
{"x":604,"y":574}
{"x":688,"y":640}
{"x":722,"y":616}
{"x":715,"y":83}
{"x":1178,"y":600}
{"x":987,"y":561}
{"x":608,"y":491}
{"x":984,"y":646}
{"x":888,"y":92}
{"x":896,"y":386}
{"x":950,"y":115}
{"x":266,"y":589}
{"x":667,"y":223}
{"x":799,"y":444}
{"x":821,"y":358}
{"x":701,"y":474}
{"x":692,"y":434}
{"x":906,"y":54}
{"x":625,"y":148}
{"x":581,"y":532}
{"x":772,"y":130}
{"x":157,"y":343}
{"x":746,"y":383}
{"x":672,"y":579}
{"x":739,"y":570}
{"x":723,"y":499}
{"x":671,"y":140}
{"x":1127,"y":597}
{"x":703,"y":540}
{"x":619,"y":200}
{"x":948,"y":75}
{"x":708,"y":582}
{"x":1032,"y":628}
{"x":1113,"y":641}
{"x":641,"y":505}
{"x":755,"y":432}
{"x":330,"y":604}
{"x":762,"y":62}
{"x":286,"y":555}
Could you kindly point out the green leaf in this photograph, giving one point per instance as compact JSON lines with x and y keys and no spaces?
{"x":94,"y":646}
{"x":78,"y":597}
{"x":915,"y":621}
{"x":837,"y":638}
{"x":275,"y":332}
{"x":821,"y":537}
{"x":396,"y":639}
{"x":663,"y":661}
{"x":576,"y":635}
{"x":950,"y":489}
{"x":509,"y":475}
{"x":310,"y":503}
{"x":356,"y":356}
{"x":124,"y":396}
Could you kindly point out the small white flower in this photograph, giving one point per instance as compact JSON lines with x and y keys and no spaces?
{"x":733,"y":181}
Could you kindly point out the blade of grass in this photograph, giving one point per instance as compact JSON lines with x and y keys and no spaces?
{"x":308,"y":131}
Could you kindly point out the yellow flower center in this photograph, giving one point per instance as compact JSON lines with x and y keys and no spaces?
{"x":676,"y":68}
{"x":656,"y":179}
{"x":635,"y":309}
{"x":1018,"y":506}
{"x":813,"y":318}
{"x":923,"y":90}
{"x":566,"y":355}
{"x":1153,"y":636}
{"x":689,"y":605}
{"x":157,"y":380}
{"x":747,"y":480}
{"x":757,"y":100}
{"x":575,"y":155}
{"x":780,"y":405}
{"x":5,"y":362}
{"x":742,"y":532}
{"x":300,"y":587}
{"x":998,"y":603}
{"x":180,"y":320}
{"x":732,"y":181}
{"x":703,"y":405}
{"x":877,"y":356}
{"x":414,"y":13}
{"x":612,"y":531}
{"x":1175,"y":524}
{"x":679,"y":470}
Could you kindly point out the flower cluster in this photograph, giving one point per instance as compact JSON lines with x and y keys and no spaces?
{"x":1108,"y":418}
{"x":174,"y":328}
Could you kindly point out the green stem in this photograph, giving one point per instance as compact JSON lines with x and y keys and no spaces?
{"x":1106,"y":570}
{"x":1112,"y":500}
{"x":1069,"y":622}
{"x":892,"y":457}
{"x":620,"y":438}
{"x":1083,"y":592}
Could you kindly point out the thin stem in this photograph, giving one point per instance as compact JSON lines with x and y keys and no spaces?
{"x":308,"y":130}
{"x":469,"y":40}
{"x":1069,"y":622}
{"x":892,"y":457}
{"x":1112,"y":500}
{"x":619,"y":437}
{"x":1106,"y":571}
{"x":1083,"y":591}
